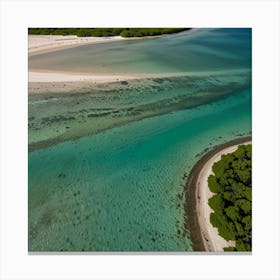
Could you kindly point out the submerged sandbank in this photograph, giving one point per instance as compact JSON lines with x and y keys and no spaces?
{"x":50,"y":81}
{"x":90,"y":109}
{"x":203,"y":235}
{"x":43,"y":81}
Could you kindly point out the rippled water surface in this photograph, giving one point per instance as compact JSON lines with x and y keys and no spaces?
{"x":121,"y":189}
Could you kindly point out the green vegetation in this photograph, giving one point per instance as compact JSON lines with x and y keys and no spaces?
{"x":104,"y":32}
{"x":232,"y":202}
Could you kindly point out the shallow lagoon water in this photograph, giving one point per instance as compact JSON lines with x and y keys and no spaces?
{"x":122,"y":189}
{"x":117,"y":190}
{"x":191,"y":51}
{"x":57,"y":117}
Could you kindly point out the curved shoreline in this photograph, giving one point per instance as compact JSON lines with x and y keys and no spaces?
{"x":201,"y":241}
{"x":41,"y":44}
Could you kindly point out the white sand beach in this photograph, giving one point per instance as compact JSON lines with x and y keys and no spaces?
{"x":53,"y":81}
{"x":38,"y":44}
{"x":50,"y":76}
{"x":213,"y":242}
{"x":37,"y":76}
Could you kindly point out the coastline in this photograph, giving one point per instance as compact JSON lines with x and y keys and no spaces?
{"x":202,"y":233}
{"x":40,"y":44}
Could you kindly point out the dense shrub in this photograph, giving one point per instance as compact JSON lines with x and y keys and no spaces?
{"x":214,"y":186}
{"x":104,"y":32}
{"x":229,"y":249}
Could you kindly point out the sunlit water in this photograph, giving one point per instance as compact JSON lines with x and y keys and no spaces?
{"x":120,"y":189}
{"x":198,"y":50}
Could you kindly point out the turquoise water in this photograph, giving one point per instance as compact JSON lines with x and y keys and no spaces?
{"x":198,"y":50}
{"x":120,"y":189}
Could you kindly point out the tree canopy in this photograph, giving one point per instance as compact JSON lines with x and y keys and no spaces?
{"x":232,"y":202}
{"x":105,"y":32}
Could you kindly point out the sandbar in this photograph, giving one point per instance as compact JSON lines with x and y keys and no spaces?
{"x":42,"y":81}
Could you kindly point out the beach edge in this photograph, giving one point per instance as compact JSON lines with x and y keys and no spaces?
{"x":192,"y":220}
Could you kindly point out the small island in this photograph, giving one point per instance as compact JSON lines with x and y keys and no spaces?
{"x":219,"y":196}
{"x":232,"y":202}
